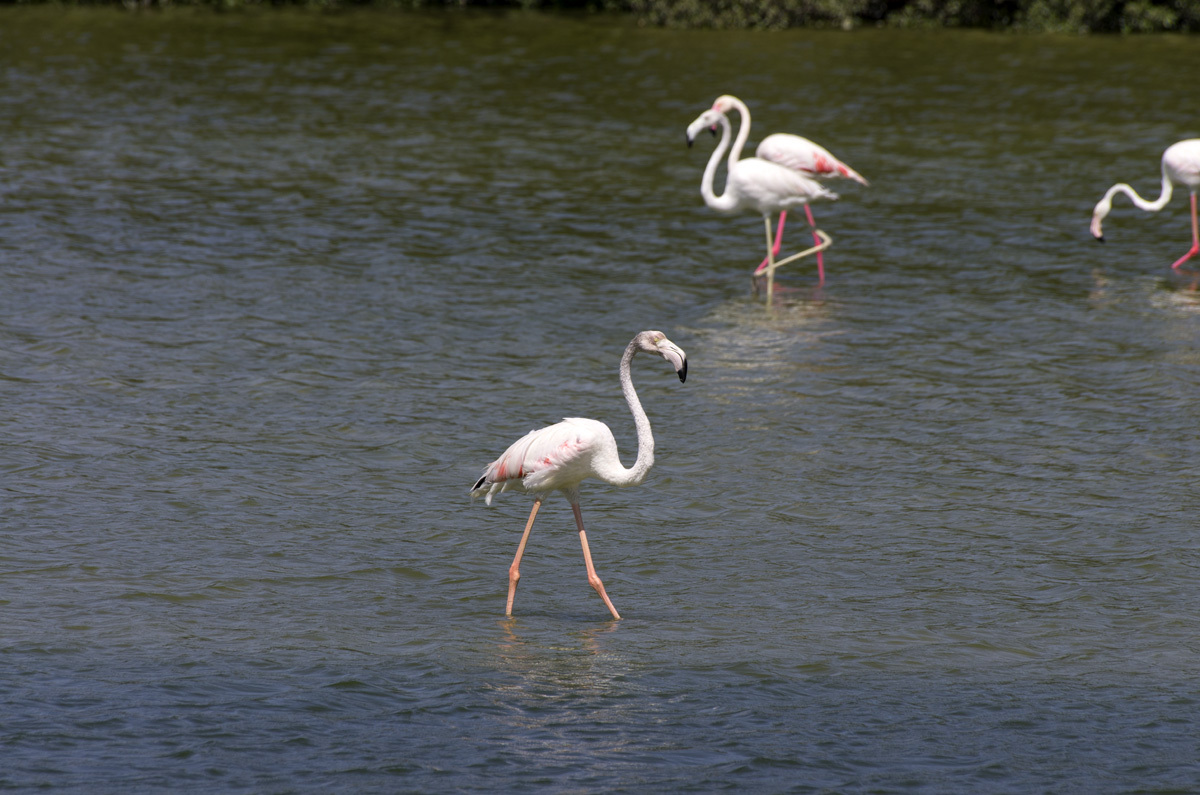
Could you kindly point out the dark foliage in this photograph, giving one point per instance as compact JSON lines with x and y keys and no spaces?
{"x":1129,"y":16}
{"x":1075,"y":16}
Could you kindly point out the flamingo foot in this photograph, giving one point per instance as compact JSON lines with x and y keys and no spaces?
{"x":1195,"y":237}
{"x":1193,"y":251}
{"x":761,"y":271}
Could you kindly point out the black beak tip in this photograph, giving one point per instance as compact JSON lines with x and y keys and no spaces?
{"x":688,"y":138}
{"x":683,"y":372}
{"x":1100,"y":239}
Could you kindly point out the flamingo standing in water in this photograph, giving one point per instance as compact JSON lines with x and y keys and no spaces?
{"x":756,"y":184}
{"x":1180,"y":166}
{"x":794,"y":152}
{"x":560,"y":456}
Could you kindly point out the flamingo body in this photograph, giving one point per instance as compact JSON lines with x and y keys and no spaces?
{"x":809,"y":158}
{"x":767,"y":188}
{"x":1181,"y":162}
{"x":561,"y":456}
{"x":1180,"y":166}
{"x":555,"y":458}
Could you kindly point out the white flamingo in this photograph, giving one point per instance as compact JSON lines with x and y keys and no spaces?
{"x":794,"y":152}
{"x":559,"y":457}
{"x":1180,"y":166}
{"x":755,"y":184}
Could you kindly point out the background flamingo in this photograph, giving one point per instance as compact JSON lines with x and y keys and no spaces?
{"x":794,"y":152}
{"x":1180,"y":165}
{"x":559,"y":457}
{"x":755,"y":184}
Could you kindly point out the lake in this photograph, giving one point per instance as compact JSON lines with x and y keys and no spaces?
{"x":277,"y":286}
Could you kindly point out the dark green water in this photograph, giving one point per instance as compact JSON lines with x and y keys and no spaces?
{"x":276,"y":287}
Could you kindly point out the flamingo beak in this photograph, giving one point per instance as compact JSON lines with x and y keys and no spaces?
{"x":704,"y":120}
{"x":675,"y":355}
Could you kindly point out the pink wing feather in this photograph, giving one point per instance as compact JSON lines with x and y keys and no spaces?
{"x":544,"y":459}
{"x":801,"y":154}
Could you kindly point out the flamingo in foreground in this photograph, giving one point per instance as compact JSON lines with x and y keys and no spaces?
{"x":1180,"y":166}
{"x":797,"y":153}
{"x":559,"y":457}
{"x":755,"y":184}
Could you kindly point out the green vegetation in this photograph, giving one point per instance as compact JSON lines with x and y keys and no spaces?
{"x":1068,"y":16}
{"x":1126,"y":16}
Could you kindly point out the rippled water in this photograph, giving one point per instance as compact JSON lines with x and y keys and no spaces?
{"x":277,"y":286}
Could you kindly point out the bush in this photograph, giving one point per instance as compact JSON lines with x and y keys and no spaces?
{"x":1074,"y":16}
{"x":1127,"y":16}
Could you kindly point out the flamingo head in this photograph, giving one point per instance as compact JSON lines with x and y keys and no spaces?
{"x":724,"y":103}
{"x":657,"y":342}
{"x":1098,"y":216}
{"x":710,"y":119}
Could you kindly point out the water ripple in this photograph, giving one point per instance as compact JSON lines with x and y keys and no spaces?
{"x":277,"y":287}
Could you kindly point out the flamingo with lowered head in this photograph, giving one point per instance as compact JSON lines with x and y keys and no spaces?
{"x":1180,"y":166}
{"x":560,"y":456}
{"x":755,"y":184}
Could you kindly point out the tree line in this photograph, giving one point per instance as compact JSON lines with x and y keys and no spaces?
{"x":1073,"y":16}
{"x":1063,"y":16}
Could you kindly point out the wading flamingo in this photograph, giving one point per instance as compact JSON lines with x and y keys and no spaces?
{"x":559,"y":457}
{"x":797,"y":153}
{"x":1180,"y":166}
{"x":756,"y":184}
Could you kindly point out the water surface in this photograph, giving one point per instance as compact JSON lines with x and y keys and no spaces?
{"x":277,"y":286}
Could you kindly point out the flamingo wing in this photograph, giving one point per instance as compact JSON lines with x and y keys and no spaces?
{"x":769,"y":187}
{"x":801,"y":154}
{"x":555,"y":457}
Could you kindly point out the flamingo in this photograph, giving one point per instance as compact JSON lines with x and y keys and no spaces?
{"x":1180,"y":165}
{"x":797,"y":153}
{"x":756,"y":184}
{"x":560,"y":456}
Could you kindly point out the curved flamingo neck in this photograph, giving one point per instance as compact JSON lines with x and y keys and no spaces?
{"x":645,"y":455}
{"x":735,"y":154}
{"x":1152,"y":206}
{"x":727,"y":201}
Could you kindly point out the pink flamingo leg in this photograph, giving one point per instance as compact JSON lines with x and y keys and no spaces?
{"x":774,"y":249}
{"x":820,"y":256}
{"x":1195,"y":238}
{"x":514,"y":572}
{"x":593,"y":578}
{"x":779,"y":243}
